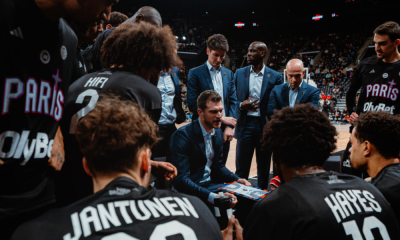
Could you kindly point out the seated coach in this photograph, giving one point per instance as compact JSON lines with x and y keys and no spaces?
{"x":196,"y":151}
{"x":294,"y":91}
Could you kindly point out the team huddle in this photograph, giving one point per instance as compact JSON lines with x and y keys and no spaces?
{"x":80,"y":134}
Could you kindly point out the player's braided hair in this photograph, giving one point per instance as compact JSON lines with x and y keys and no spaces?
{"x":299,"y":136}
{"x":113,"y":133}
{"x":382,"y":130}
{"x":141,"y":46}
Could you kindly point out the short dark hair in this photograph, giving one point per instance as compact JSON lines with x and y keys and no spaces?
{"x":217,"y":42}
{"x":300,"y":136}
{"x":207,"y":95}
{"x":382,"y":129}
{"x":116,"y":18}
{"x":141,"y":46}
{"x":390,"y":28}
{"x":113,"y":133}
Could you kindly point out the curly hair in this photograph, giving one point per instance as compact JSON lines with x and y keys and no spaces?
{"x":116,"y":18}
{"x":217,"y":42}
{"x":382,"y":130}
{"x":299,"y":136}
{"x":113,"y":133}
{"x":141,"y":46}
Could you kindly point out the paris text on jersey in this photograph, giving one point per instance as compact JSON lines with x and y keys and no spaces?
{"x":383,"y":90}
{"x":40,"y":97}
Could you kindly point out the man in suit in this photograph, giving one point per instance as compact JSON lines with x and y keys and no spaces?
{"x":212,"y":76}
{"x":196,"y":151}
{"x":172,"y":111}
{"x":254,"y":84}
{"x":294,"y":91}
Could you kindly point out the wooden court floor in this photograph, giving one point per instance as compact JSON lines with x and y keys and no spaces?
{"x":343,"y":138}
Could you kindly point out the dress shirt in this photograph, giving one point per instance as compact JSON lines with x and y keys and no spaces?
{"x":216,"y":77}
{"x":167,"y":89}
{"x":293,"y":95}
{"x":255,"y":83}
{"x":210,"y":155}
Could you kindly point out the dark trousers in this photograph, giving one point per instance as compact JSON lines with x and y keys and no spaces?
{"x":250,"y":140}
{"x":225,"y":147}
{"x":161,"y":149}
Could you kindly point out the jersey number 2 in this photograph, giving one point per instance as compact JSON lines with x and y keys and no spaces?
{"x":161,"y":232}
{"x":370,"y":223}
{"x":81,"y":113}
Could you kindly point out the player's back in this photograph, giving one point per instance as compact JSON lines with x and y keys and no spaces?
{"x":73,"y":183}
{"x":323,"y":206}
{"x":125,"y":210}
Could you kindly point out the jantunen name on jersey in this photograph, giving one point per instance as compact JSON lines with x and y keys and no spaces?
{"x":103,"y":216}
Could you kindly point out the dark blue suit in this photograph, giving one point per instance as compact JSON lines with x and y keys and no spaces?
{"x":199,"y":80}
{"x":249,"y":129}
{"x":165,"y":131}
{"x":279,"y":97}
{"x":188,"y":155}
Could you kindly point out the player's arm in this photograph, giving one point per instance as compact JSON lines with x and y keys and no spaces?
{"x":57,"y":152}
{"x":355,"y":84}
{"x":192,"y":91}
{"x":164,"y":169}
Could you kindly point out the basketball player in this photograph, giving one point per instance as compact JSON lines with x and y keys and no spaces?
{"x":312,"y":203}
{"x":117,"y":157}
{"x":129,"y":61}
{"x":37,"y":55}
{"x":379,"y":79}
{"x":375,"y":149}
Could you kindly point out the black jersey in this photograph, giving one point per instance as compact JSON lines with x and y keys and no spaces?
{"x":96,"y":50}
{"x":388,"y":182}
{"x":125,"y":210}
{"x":379,"y":83}
{"x":37,"y":57}
{"x":326,"y":205}
{"x":73,"y":183}
{"x":79,"y":67}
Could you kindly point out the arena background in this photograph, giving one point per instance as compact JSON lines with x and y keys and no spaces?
{"x":303,"y":29}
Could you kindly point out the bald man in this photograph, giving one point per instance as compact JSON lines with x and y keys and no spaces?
{"x":294,"y":91}
{"x":146,"y":14}
{"x":254,"y":84}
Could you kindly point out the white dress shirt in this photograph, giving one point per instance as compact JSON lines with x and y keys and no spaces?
{"x":293,"y":94}
{"x":210,"y":156}
{"x":216,"y":77}
{"x":255,"y":84}
{"x":167,"y":89}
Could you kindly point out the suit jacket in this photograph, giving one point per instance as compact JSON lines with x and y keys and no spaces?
{"x":280,"y":97}
{"x":242,"y":80}
{"x":199,"y":80}
{"x":188,"y":155}
{"x":180,"y":113}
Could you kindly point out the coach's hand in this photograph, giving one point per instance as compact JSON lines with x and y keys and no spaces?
{"x":164,"y":169}
{"x":353,"y":117}
{"x":228,"y":134}
{"x":229,"y":121}
{"x":244,"y":181}
{"x":227,"y":233}
{"x":232,"y":197}
{"x":57,"y":158}
{"x":248,"y":105}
